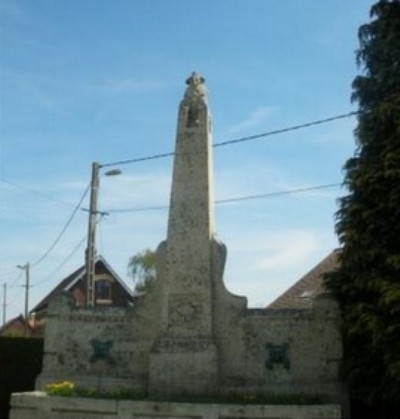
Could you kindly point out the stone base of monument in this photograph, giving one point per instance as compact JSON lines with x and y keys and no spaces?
{"x":38,"y":405}
{"x":182,"y":367}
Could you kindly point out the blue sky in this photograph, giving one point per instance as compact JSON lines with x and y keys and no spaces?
{"x":97,"y":80}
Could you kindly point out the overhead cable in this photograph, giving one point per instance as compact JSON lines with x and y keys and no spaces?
{"x":58,"y":238}
{"x":278,"y":193}
{"x":283,"y":130}
{"x":15,"y":280}
{"x":32,"y":191}
{"x":240,"y":140}
{"x":235,"y":199}
{"x":68,"y":257}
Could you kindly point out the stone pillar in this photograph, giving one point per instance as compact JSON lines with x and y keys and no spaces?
{"x":184,"y":357}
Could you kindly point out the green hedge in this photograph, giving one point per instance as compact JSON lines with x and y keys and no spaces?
{"x":20,"y":363}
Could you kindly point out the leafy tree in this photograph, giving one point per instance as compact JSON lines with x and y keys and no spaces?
{"x":142,"y":269}
{"x":367,"y":283}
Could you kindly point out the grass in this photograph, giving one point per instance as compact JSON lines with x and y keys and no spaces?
{"x":68,"y":389}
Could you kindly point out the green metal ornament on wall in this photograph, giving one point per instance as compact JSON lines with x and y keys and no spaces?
{"x":101,"y":350}
{"x":277,"y":355}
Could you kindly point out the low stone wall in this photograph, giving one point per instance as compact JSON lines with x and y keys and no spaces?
{"x":37,"y":405}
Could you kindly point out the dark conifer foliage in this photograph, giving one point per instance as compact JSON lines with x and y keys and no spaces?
{"x":367,"y":284}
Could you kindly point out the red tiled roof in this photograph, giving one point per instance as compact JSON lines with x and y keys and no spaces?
{"x":63,"y":285}
{"x":19,"y":320}
{"x":79,"y":275}
{"x":302,"y":293}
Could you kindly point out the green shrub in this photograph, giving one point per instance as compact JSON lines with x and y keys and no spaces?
{"x":62,"y":388}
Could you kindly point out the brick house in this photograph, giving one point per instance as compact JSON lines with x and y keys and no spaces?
{"x":17,"y":327}
{"x":110,"y":291}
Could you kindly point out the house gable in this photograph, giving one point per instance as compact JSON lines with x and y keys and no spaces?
{"x":302,"y":294}
{"x":75,"y":283}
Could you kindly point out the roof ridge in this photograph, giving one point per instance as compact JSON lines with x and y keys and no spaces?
{"x":295,"y":296}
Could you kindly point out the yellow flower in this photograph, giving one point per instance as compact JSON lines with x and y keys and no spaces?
{"x":61,"y":388}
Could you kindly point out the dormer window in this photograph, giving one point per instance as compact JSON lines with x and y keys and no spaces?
{"x":103,"y":291}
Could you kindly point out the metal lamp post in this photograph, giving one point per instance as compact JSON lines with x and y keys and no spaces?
{"x":91,"y":239}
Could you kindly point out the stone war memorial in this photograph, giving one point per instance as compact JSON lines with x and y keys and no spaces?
{"x":188,"y":348}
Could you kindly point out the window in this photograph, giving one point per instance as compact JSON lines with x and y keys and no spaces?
{"x":103,"y":291}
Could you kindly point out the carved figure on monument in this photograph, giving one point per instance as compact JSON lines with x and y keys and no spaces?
{"x":196,"y":90}
{"x":195,"y":97}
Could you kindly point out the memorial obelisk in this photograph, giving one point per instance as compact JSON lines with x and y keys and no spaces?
{"x":184,"y":357}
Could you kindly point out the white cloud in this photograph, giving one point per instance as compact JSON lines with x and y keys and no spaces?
{"x":274,"y":248}
{"x":234,"y":183}
{"x":263,"y":263}
{"x":264,"y":259}
{"x":135,"y":191}
{"x":257,"y":117}
{"x":287,"y":247}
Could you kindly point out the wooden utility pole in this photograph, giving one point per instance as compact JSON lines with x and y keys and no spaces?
{"x":91,"y":239}
{"x":26,"y":268}
{"x":4,"y":302}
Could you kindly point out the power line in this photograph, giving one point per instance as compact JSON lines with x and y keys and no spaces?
{"x":279,"y":193}
{"x":236,"y":199}
{"x":53,"y":245}
{"x":58,"y":238}
{"x":32,"y":191}
{"x":240,"y":140}
{"x":215,"y":145}
{"x":288,"y":129}
{"x":74,"y":250}
{"x":138,"y":209}
{"x":139,"y":159}
{"x":9,"y":272}
{"x":163,"y":155}
{"x":16,"y":279}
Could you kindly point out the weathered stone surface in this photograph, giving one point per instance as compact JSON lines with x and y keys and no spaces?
{"x":188,"y":335}
{"x":36,"y":405}
{"x":184,"y":358}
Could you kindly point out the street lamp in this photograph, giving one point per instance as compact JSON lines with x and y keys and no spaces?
{"x":91,"y":239}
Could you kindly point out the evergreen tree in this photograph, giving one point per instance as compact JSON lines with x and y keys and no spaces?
{"x":367,"y":283}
